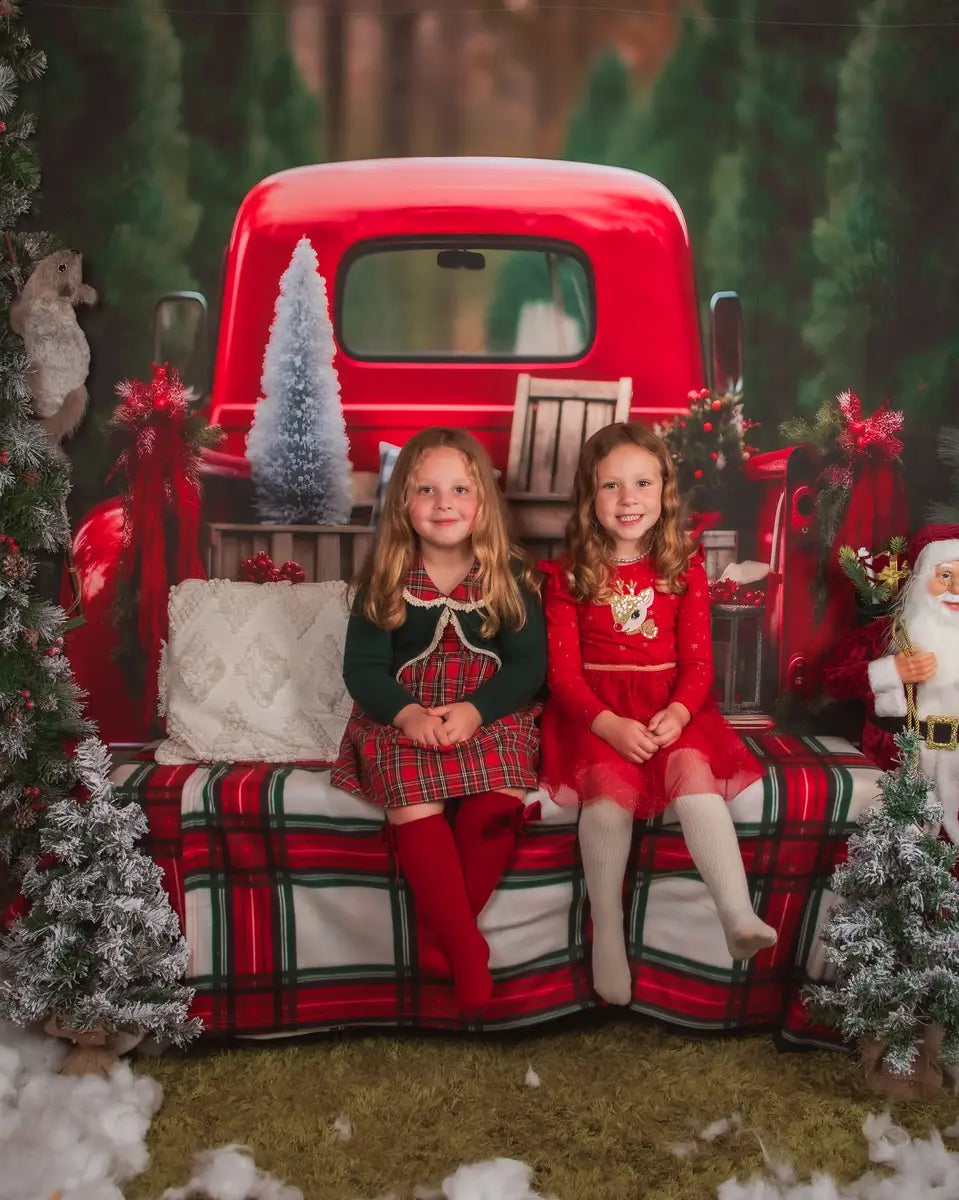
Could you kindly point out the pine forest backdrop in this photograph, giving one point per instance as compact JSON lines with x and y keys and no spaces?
{"x":812,"y":144}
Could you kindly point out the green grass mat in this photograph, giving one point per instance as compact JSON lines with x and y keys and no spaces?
{"x":613,"y":1100}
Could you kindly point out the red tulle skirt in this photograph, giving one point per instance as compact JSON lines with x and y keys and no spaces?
{"x":578,"y":767}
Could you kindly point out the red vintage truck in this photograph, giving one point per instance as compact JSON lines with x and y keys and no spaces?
{"x":447,"y":278}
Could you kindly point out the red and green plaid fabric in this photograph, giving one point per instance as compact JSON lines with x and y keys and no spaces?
{"x":296,"y":921}
{"x":382,"y":763}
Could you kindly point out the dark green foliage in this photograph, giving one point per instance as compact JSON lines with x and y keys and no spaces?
{"x":591,"y":127}
{"x":678,"y":130}
{"x":708,"y":448}
{"x":768,"y":188}
{"x":882,"y":318}
{"x":246,"y":110}
{"x":115,"y":187}
{"x":948,"y":450}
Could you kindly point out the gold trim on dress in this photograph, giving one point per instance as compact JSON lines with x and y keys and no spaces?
{"x":628,"y":666}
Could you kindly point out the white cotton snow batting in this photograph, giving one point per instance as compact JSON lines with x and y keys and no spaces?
{"x":82,"y":1136}
{"x":230,"y":1173}
{"x":342,"y":1128}
{"x":886,"y":1139}
{"x":717,"y":1128}
{"x":916,"y":1169}
{"x":498,"y":1179}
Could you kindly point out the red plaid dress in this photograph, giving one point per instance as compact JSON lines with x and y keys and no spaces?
{"x":386,"y":767}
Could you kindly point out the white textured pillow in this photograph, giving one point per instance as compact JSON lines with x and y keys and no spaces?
{"x":254,"y":672}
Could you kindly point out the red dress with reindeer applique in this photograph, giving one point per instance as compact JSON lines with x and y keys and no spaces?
{"x":634,"y":656}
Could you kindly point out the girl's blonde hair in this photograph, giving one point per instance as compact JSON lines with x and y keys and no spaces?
{"x":590,"y":546}
{"x":382,"y":577}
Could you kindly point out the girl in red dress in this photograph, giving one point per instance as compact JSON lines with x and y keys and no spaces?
{"x":445,"y":653}
{"x":629,"y":726}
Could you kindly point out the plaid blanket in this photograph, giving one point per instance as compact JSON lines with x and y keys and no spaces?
{"x":296,"y":921}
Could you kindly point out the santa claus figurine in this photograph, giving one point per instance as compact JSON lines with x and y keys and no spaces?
{"x":913,"y":651}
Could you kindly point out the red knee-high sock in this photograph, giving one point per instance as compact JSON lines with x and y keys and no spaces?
{"x":486,"y":830}
{"x":429,"y":860}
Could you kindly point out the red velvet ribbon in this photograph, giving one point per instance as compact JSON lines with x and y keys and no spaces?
{"x":160,"y":484}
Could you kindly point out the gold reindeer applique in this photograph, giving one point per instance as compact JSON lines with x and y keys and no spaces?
{"x":630,"y":608}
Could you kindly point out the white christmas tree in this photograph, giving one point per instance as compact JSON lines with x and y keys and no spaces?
{"x":100,"y":947}
{"x":298,"y":448}
{"x":895,"y":942}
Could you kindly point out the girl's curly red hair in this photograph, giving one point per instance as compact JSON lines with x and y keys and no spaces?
{"x":590,"y":547}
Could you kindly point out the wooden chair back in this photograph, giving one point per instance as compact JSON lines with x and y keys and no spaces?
{"x":552,"y":418}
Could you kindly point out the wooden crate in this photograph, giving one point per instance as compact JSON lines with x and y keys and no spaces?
{"x":329,"y":551}
{"x":323,"y":551}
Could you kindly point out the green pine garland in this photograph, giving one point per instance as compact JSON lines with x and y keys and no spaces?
{"x":832,"y":498}
{"x":96,"y":943}
{"x":708,"y":446}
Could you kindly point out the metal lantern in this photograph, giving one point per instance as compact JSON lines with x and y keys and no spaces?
{"x":720,"y":549}
{"x":738,"y":655}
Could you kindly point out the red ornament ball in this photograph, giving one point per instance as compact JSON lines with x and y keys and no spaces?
{"x":292,"y":571}
{"x":707,"y":426}
{"x":716,"y":405}
{"x":697,"y":474}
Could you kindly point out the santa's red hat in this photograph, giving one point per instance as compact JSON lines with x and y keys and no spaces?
{"x":933,"y":544}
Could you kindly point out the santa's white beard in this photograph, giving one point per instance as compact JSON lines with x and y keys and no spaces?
{"x":932,"y":626}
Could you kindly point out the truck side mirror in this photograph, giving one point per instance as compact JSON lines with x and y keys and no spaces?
{"x":726,"y":343}
{"x":180,"y":337}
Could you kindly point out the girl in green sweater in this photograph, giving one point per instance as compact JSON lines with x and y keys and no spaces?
{"x":445,"y":654}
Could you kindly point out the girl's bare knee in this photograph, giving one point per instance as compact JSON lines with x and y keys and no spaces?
{"x":402,"y":814}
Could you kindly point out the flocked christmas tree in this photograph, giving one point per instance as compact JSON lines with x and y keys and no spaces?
{"x":895,"y":941}
{"x":298,"y":449}
{"x":96,"y":945}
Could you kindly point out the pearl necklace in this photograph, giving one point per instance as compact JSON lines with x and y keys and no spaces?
{"x":625,"y":562}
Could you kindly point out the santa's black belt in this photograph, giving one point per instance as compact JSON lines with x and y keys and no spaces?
{"x":939,"y":733}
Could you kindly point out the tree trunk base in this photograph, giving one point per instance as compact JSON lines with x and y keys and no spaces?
{"x":93,"y":1051}
{"x":923,"y":1081}
{"x":89,"y":1060}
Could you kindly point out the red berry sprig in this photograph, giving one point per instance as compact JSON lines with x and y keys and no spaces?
{"x":262,"y":569}
{"x":726,"y":591}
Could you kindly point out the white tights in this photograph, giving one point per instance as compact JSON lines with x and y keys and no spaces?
{"x":605,"y":835}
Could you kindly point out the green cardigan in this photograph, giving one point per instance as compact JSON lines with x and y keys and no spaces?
{"x":374,"y":657}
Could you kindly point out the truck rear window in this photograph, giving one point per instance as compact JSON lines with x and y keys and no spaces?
{"x":453,"y":299}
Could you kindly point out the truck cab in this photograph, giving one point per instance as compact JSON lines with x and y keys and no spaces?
{"x":447,"y":278}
